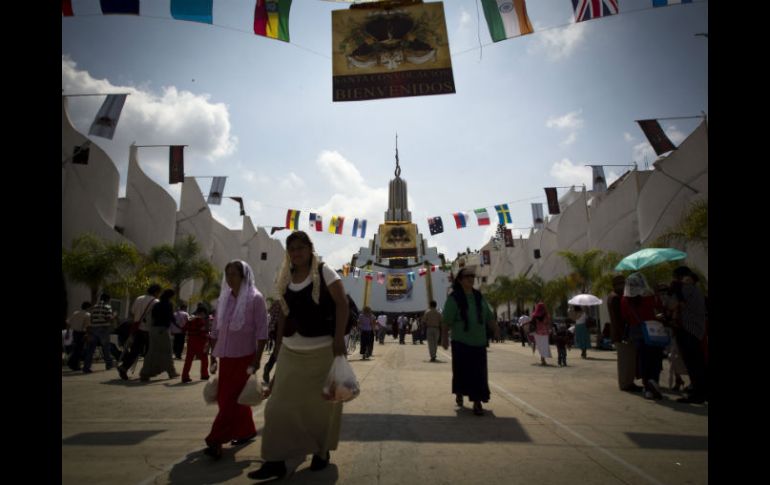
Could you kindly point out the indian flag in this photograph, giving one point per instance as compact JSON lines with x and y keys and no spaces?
{"x":292,"y":219}
{"x":271,"y":19}
{"x":506,"y":18}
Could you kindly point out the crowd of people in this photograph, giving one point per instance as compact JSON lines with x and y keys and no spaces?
{"x":304,"y":324}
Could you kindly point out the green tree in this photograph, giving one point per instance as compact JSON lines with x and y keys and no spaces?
{"x":692,"y":228}
{"x":96,"y":262}
{"x":179,"y":263}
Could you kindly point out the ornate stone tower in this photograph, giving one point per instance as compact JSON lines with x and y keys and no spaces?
{"x":398,"y":211}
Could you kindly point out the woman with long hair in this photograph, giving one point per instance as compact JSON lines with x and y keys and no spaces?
{"x":309,"y":334}
{"x":466,"y":316}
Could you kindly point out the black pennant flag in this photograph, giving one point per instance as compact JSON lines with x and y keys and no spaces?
{"x":654,"y":133}
{"x":240,"y":201}
{"x":553,"y":200}
{"x":176,"y":164}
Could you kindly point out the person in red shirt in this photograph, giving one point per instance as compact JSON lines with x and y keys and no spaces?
{"x":197,"y":331}
{"x":637,"y":305}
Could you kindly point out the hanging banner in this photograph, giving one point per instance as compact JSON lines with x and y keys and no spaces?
{"x":600,"y":183}
{"x":398,"y":240}
{"x":508,"y":238}
{"x":390,"y":53}
{"x":399,"y":287}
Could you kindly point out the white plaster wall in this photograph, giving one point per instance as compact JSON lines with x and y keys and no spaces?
{"x":573,"y":226}
{"x":226,"y":246}
{"x":613,"y":224}
{"x":150,"y":213}
{"x":256,"y":242}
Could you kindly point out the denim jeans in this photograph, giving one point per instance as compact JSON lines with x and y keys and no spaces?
{"x":98,"y":336}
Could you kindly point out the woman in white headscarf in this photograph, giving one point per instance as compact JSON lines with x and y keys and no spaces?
{"x":238,"y":338}
{"x":309,"y":334}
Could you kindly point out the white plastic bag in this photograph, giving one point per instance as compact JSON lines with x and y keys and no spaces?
{"x":251,"y":395}
{"x":341,"y":384}
{"x":210,"y":390}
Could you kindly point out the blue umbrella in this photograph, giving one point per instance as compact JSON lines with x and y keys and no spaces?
{"x":649,"y":257}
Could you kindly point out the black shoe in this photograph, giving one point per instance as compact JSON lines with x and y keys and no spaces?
{"x":123,"y":374}
{"x":319,"y":463}
{"x":214,"y":451}
{"x":269,"y":469}
{"x":243,"y":441}
{"x":477,"y":409}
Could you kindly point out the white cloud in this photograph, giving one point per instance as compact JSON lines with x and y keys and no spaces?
{"x":170,"y":118}
{"x":570,"y":121}
{"x":566,"y":173}
{"x":570,"y":139}
{"x":292,"y":182}
{"x":558,"y":43}
{"x":627,"y":136}
{"x":342,"y":174}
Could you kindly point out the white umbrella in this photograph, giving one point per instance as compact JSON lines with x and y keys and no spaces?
{"x":585,"y":300}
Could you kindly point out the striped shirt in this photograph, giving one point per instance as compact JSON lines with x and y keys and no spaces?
{"x":101,"y":315}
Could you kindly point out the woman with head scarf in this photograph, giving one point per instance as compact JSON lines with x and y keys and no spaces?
{"x":238,"y":337}
{"x":466,"y":316}
{"x":309,"y":334}
{"x":543,"y":324}
{"x":637,"y":305}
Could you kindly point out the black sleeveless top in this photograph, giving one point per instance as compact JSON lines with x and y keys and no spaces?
{"x":307,"y":318}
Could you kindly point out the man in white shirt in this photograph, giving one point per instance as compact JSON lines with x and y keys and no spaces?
{"x":141,"y":311}
{"x":382,"y":328}
{"x":77,"y":323}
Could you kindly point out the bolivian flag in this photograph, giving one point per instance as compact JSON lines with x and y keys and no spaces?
{"x":271,"y":19}
{"x":292,"y":219}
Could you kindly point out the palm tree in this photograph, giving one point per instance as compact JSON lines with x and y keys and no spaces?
{"x":96,"y":262}
{"x":587,"y":267}
{"x":693,"y":228}
{"x":179,"y":263}
{"x":555,"y":294}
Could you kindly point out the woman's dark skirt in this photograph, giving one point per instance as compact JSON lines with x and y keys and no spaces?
{"x":469,"y":371}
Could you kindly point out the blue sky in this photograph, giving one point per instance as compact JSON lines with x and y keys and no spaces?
{"x":529,"y":112}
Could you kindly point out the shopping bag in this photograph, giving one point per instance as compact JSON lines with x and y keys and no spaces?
{"x":251,"y":395}
{"x":655,"y":334}
{"x":341,"y":384}
{"x":210,"y":390}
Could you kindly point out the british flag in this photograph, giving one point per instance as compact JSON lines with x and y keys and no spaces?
{"x":592,"y":9}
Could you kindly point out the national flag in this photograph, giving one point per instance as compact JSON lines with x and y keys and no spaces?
{"x":553,"y":200}
{"x":193,"y":10}
{"x":600,"y":183}
{"x":664,"y":3}
{"x":175,"y":164}
{"x":503,"y":214}
{"x":368,"y":277}
{"x":410,"y":276}
{"x":361,"y":225}
{"x":435,"y":225}
{"x":316,"y":222}
{"x":654,"y":133}
{"x":107,"y":118}
{"x":240,"y":201}
{"x":124,"y":7}
{"x":461,"y":219}
{"x":593,"y":9}
{"x":271,"y":19}
{"x":274,"y":229}
{"x":482,"y":216}
{"x":433,"y":268}
{"x":422,"y":271}
{"x":292,"y":219}
{"x":381,"y":277}
{"x":66,"y":8}
{"x":80,"y":153}
{"x":537,"y":216}
{"x":506,"y":18}
{"x":357,"y":273}
{"x":338,"y":228}
{"x":217,"y":188}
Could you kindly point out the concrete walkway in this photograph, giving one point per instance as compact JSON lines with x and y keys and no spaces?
{"x":545,"y":425}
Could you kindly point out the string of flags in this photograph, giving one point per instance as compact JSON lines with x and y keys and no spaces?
{"x":380,"y":276}
{"x":271,"y":17}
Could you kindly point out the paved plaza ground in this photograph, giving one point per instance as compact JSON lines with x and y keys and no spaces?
{"x":544,"y":425}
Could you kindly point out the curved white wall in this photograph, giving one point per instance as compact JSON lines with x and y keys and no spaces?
{"x":150,"y":211}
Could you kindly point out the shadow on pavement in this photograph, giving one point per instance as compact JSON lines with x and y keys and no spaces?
{"x":111,"y":438}
{"x":199,"y":468}
{"x":463,"y":428}
{"x":669,"y":441}
{"x":328,"y":475}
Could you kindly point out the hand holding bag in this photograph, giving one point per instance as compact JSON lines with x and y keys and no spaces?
{"x":655,"y":333}
{"x":251,"y":395}
{"x":341,"y":384}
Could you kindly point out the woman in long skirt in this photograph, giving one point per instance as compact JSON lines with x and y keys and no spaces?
{"x":542,"y":332}
{"x":582,"y":337}
{"x":159,"y":358}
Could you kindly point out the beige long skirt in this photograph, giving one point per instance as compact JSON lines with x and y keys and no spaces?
{"x":298,"y":421}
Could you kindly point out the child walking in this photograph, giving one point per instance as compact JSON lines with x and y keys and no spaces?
{"x":197,"y":331}
{"x":562,"y":340}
